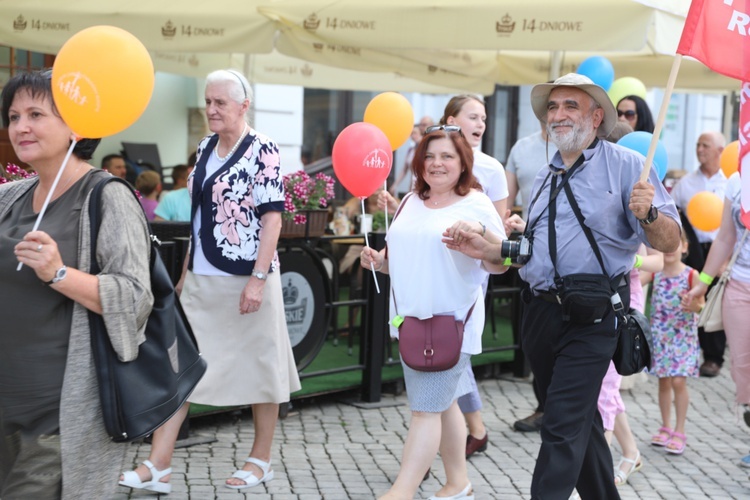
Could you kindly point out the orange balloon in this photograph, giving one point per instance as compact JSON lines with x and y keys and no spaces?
{"x":392,"y":113}
{"x":102,"y":81}
{"x":730,"y":158}
{"x":704,"y":211}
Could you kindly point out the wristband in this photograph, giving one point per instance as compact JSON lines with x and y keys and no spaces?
{"x":705,"y":278}
{"x":638,"y":261}
{"x":484,"y":228}
{"x":507,"y":261}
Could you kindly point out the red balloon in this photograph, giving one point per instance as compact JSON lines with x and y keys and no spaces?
{"x":362,"y":158}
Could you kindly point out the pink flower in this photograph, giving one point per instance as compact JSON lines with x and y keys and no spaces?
{"x":302,"y":192}
{"x":229,"y":214}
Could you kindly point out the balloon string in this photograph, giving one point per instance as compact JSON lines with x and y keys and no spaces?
{"x":385,"y":188}
{"x":367,"y":244}
{"x":51,"y":191}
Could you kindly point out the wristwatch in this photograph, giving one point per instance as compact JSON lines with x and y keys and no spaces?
{"x":653,"y":213}
{"x":60,"y":275}
{"x":260,"y":275}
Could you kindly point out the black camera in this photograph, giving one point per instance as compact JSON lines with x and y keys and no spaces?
{"x":519,"y":251}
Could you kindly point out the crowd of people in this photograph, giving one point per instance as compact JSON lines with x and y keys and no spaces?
{"x":579,"y":194}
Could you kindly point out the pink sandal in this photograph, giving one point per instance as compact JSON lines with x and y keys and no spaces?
{"x":676,"y":444}
{"x":662,"y":437}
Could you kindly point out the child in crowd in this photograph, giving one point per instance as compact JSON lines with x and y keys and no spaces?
{"x":148,"y":184}
{"x":610,"y":404}
{"x":675,"y":336}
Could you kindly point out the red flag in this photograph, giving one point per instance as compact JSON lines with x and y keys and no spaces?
{"x":745,"y":152}
{"x":717,"y":33}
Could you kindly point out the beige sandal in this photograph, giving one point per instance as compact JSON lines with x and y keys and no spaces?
{"x":621,"y":477}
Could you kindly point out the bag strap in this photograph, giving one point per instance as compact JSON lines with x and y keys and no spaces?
{"x":95,"y":215}
{"x":614,"y":283}
{"x":398,"y":211}
{"x":586,"y":229}
{"x":728,"y":269}
{"x":395,"y":304}
{"x":468,"y":315}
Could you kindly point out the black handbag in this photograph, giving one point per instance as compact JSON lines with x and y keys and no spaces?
{"x":140,"y":395}
{"x":634,"y":345}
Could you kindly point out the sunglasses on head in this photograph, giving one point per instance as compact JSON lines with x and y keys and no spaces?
{"x":627,"y":114}
{"x":447,"y":128}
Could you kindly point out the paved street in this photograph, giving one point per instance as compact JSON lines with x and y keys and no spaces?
{"x":329,"y":450}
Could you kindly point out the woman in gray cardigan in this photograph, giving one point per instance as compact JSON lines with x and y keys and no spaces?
{"x":52,"y":438}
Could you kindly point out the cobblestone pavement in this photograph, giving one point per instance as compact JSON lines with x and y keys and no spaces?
{"x":326,"y":449}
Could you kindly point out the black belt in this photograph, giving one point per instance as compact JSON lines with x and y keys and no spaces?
{"x":547,"y":296}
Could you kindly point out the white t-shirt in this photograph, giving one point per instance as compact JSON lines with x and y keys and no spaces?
{"x":527,"y":156}
{"x":692,"y":184}
{"x":741,"y":269}
{"x":491,"y":176}
{"x":429,"y":279}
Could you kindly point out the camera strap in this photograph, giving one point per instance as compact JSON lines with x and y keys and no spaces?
{"x":615,"y":283}
{"x":554,"y":191}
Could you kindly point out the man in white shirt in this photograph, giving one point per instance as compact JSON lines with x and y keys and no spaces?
{"x":708,"y":177}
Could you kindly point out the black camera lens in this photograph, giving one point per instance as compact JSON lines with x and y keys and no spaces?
{"x":509,"y":249}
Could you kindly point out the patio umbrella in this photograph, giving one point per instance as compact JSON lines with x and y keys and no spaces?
{"x":385,"y":45}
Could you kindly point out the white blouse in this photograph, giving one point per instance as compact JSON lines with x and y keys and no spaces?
{"x":427,"y":278}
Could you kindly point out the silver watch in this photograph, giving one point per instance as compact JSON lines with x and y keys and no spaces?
{"x":60,"y":275}
{"x":260,"y":275}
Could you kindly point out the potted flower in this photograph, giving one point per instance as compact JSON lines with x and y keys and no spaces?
{"x":13,"y":172}
{"x":306,"y":204}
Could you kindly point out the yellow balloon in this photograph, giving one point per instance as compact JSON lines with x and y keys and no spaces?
{"x":730,"y":158}
{"x":704,"y":211}
{"x":625,"y":86}
{"x":392,"y":113}
{"x":102,"y":81}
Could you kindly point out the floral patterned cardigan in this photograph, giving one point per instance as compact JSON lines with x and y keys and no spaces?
{"x":232,"y":201}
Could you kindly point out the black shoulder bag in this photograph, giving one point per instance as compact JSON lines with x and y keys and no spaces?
{"x":138,"y":396}
{"x":585,"y":298}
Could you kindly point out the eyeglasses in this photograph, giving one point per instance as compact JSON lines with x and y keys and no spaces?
{"x":627,"y":114}
{"x":447,"y":128}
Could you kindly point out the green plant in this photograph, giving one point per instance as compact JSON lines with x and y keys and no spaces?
{"x":378,"y":220}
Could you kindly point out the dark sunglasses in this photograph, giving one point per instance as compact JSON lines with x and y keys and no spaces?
{"x":628,"y":114}
{"x":447,"y":128}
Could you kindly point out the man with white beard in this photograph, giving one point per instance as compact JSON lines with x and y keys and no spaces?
{"x":571,"y":358}
{"x":570,"y":342}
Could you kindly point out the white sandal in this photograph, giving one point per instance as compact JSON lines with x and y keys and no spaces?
{"x":635,"y":465}
{"x":132,"y":480}
{"x":465,"y":494}
{"x":249,"y":478}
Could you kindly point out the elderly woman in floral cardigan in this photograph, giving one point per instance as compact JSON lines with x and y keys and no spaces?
{"x":231,"y":287}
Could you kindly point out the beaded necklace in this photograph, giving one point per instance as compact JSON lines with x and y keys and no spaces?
{"x":234,"y":148}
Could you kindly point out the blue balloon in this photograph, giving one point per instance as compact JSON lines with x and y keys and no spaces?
{"x":640,"y":141}
{"x":599,"y":70}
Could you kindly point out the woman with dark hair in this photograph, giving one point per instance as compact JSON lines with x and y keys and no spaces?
{"x":445,"y":195}
{"x":52,"y":438}
{"x":634,"y":110}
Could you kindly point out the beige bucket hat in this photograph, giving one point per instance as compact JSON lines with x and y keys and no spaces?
{"x":540,"y":97}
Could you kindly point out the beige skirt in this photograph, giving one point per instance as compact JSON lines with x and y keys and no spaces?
{"x":249,"y":356}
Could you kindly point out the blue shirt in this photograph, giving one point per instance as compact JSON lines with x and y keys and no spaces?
{"x":175,"y":206}
{"x":601,"y":187}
